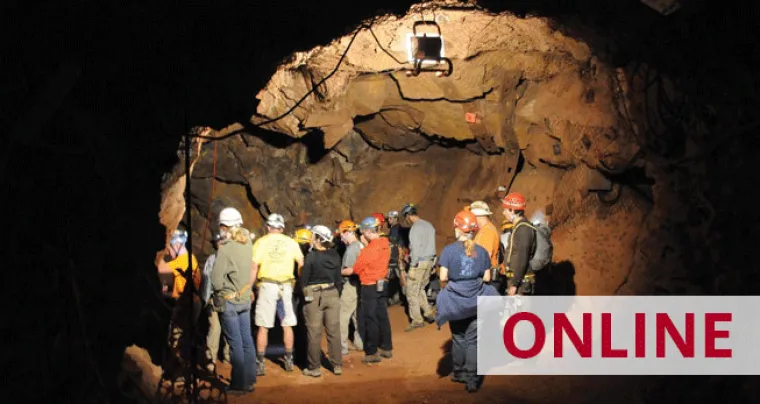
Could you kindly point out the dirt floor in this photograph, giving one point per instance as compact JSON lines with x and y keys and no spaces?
{"x":419,"y":373}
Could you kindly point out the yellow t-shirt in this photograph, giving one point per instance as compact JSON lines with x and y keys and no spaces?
{"x":275,"y":254}
{"x":488,"y":238}
{"x":179,"y":266}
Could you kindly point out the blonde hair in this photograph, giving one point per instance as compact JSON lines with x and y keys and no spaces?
{"x":469,"y":244}
{"x":240,"y":235}
{"x":469,"y":247}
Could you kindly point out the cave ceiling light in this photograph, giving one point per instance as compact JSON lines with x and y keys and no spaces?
{"x":425,"y":50}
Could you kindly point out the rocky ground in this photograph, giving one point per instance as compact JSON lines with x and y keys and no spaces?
{"x":419,"y":373}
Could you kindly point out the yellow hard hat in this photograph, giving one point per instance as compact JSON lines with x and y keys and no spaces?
{"x":303,"y":236}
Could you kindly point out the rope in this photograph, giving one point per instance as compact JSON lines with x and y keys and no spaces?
{"x":239,"y":129}
{"x":210,"y":198}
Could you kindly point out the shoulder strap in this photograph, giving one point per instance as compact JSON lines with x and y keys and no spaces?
{"x":512,"y":238}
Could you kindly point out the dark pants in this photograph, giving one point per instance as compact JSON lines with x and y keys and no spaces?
{"x":464,"y":351}
{"x":323,"y":311}
{"x":499,"y":283}
{"x":236,"y":325}
{"x":376,"y":322}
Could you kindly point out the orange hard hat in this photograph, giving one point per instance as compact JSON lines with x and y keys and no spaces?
{"x":347,"y":225}
{"x":514,"y":201}
{"x":466,"y":222}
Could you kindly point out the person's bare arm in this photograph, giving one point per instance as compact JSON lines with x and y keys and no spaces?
{"x":443,"y":276}
{"x":254,"y":271}
{"x":163,"y":267}
{"x":487,"y":276}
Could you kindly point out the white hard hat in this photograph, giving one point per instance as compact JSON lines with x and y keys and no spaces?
{"x":276,"y":220}
{"x":480,"y":208}
{"x":230,"y":217}
{"x":323,"y":232}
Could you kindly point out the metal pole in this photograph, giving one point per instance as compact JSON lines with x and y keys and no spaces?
{"x":189,"y":272}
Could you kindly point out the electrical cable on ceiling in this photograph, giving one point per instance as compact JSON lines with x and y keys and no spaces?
{"x":314,"y":87}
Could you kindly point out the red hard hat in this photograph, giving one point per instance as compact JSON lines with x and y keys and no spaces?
{"x":380,"y":218}
{"x":466,"y":222}
{"x":514,"y":201}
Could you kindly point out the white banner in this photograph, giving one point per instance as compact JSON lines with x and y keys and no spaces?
{"x":619,"y":335}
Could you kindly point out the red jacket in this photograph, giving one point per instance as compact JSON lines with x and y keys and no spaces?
{"x":372,"y":263}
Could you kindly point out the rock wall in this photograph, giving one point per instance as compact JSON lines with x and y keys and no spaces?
{"x":386,"y":139}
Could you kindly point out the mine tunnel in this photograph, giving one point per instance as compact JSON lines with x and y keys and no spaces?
{"x":628,"y":125}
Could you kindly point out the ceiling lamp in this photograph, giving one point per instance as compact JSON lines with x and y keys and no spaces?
{"x":425,"y":51}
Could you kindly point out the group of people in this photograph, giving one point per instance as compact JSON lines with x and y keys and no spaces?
{"x":303,"y":280}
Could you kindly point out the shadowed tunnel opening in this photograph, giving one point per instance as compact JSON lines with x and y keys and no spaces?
{"x":97,"y":100}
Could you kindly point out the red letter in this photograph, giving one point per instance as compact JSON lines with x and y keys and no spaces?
{"x":711,"y":334}
{"x":509,"y":329}
{"x":641,"y":335}
{"x":663,"y":324}
{"x":562,"y":323}
{"x":607,"y":350}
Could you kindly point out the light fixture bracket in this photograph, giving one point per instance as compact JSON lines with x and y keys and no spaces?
{"x":427,"y":49}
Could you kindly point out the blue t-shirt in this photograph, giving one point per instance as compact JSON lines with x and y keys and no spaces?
{"x":462,"y":267}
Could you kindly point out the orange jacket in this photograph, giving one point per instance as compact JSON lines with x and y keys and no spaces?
{"x":372,"y":263}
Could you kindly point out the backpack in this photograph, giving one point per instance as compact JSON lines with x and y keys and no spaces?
{"x":544,"y":248}
{"x":542,"y":256}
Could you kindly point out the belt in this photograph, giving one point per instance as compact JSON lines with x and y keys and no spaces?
{"x":321,"y":287}
{"x":426,"y":259}
{"x":267,"y":280}
{"x":529,"y":277}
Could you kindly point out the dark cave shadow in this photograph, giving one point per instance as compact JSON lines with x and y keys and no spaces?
{"x":556,"y":280}
{"x":446,"y":363}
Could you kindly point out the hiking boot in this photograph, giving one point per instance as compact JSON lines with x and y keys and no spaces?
{"x":312,"y":372}
{"x":413,"y":327}
{"x":458,"y":378}
{"x":344,"y":351}
{"x":337,"y":370}
{"x":237,"y":392}
{"x":354,"y":347}
{"x":372,"y":358}
{"x":289,"y":363}
{"x":385,"y":354}
{"x":472,"y":387}
{"x":260,"y":371}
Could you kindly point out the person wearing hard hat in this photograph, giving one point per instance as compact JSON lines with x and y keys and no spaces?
{"x":321,"y":281}
{"x":380,"y":219}
{"x":214,"y":335}
{"x":349,"y":297}
{"x":487,"y":235}
{"x":372,"y":268}
{"x":273,"y":258}
{"x":464,"y":269}
{"x":303,"y":237}
{"x":522,"y":243}
{"x":176,"y":262}
{"x":231,"y":281}
{"x":421,"y":262}
{"x":399,"y":242}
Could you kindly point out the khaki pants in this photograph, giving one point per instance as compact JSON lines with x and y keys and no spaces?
{"x":417,"y":279}
{"x":213,"y":338}
{"x":349,"y":301}
{"x":324,"y":310}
